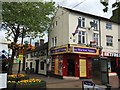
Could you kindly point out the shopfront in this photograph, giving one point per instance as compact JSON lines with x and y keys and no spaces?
{"x":113,"y":60}
{"x":73,"y":60}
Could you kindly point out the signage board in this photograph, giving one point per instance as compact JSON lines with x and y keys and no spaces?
{"x":111,"y":54}
{"x":59,"y":50}
{"x":3,"y":80}
{"x":88,"y":85}
{"x":85,"y":50}
{"x":20,"y":57}
{"x":74,"y":49}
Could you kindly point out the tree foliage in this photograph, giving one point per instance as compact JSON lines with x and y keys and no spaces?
{"x":21,"y":19}
{"x":114,"y":5}
{"x":31,"y":16}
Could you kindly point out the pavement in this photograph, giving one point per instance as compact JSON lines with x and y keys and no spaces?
{"x":53,"y":82}
{"x":58,"y":83}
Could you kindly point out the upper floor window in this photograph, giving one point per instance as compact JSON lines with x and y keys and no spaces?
{"x":109,"y":40}
{"x":54,"y":41}
{"x":95,"y":38}
{"x":81,"y":22}
{"x":81,"y":37}
{"x":95,"y":25}
{"x":109,"y":26}
{"x":56,"y":23}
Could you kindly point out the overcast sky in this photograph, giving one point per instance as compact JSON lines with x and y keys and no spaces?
{"x":89,"y":6}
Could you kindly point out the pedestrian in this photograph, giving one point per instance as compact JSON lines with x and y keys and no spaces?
{"x":118,"y":73}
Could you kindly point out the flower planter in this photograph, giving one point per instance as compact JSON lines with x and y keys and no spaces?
{"x":15,"y":78}
{"x":27,"y":84}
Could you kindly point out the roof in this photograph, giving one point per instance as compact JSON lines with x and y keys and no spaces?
{"x":41,"y":47}
{"x":87,"y":14}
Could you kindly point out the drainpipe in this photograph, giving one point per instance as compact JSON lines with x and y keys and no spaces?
{"x":99,"y":34}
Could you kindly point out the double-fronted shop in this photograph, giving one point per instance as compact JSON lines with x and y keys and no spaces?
{"x":73,"y":60}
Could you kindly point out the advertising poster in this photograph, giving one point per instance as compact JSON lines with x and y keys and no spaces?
{"x":56,"y":66}
{"x":82,"y":67}
{"x":3,"y":80}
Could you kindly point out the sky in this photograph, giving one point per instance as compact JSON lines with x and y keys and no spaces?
{"x":88,"y":6}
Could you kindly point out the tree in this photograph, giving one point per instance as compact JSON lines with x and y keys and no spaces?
{"x":114,"y":5}
{"x":25,"y":18}
{"x":116,"y":15}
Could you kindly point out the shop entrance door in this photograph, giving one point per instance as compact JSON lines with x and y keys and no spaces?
{"x":71,"y":67}
{"x":37,"y":66}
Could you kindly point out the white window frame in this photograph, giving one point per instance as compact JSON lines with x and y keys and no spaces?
{"x":81,"y":35}
{"x":108,"y":26}
{"x":96,"y":37}
{"x":81,"y":22}
{"x":52,"y":42}
{"x":97,"y":25}
{"x":109,"y":40}
{"x":55,"y":40}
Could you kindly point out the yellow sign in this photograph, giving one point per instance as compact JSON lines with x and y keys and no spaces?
{"x":82,"y":68}
{"x":56,"y":66}
{"x":20,"y":57}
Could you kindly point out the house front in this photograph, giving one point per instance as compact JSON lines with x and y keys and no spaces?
{"x":74,"y":40}
{"x":36,"y":60}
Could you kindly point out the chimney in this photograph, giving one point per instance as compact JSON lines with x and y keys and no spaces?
{"x":41,"y":41}
{"x":36,"y":44}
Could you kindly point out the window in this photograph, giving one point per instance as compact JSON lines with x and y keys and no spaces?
{"x":81,"y":37}
{"x":95,"y":25}
{"x":42,"y":65}
{"x":118,"y":40}
{"x":26,"y":64}
{"x":55,"y":41}
{"x":109,"y":26}
{"x":95,"y":38}
{"x":30,"y":65}
{"x":109,"y":40}
{"x":81,"y":22}
{"x":56,"y":23}
{"x":52,"y":42}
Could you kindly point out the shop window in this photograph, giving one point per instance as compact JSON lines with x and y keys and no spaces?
{"x":113,"y":65}
{"x":53,"y":65}
{"x":42,"y":65}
